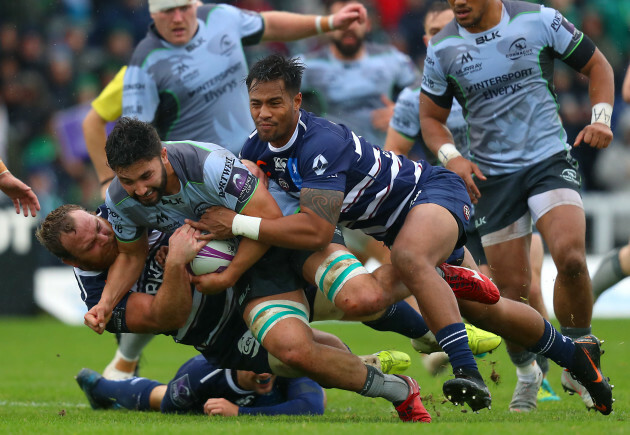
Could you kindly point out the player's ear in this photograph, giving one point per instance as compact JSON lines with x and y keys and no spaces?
{"x":164,"y":156}
{"x":297,"y":101}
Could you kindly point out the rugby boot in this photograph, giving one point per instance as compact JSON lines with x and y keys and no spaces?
{"x":87,"y":380}
{"x":469,"y":284}
{"x":412,"y":409}
{"x":546,"y":393}
{"x":393,"y":361}
{"x":480,"y":341}
{"x":467,"y":387}
{"x":587,"y":370}
{"x":525,"y":397}
{"x":572,"y":386}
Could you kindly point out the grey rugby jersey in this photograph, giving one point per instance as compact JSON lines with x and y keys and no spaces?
{"x":350,"y":90}
{"x":503,"y":78}
{"x":208,"y":175}
{"x":196,"y":91}
{"x":406,"y":118}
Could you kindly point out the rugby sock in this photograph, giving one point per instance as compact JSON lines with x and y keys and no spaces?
{"x":555,"y":346}
{"x":402,"y":319}
{"x":388,"y":387}
{"x":543,"y":363}
{"x":522,"y":359}
{"x":131,"y":393}
{"x":131,"y":345}
{"x":454,"y":341}
{"x":573,"y":333}
{"x":608,"y":273}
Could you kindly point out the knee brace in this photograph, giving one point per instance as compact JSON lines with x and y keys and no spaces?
{"x":335,"y":271}
{"x":265,"y":315}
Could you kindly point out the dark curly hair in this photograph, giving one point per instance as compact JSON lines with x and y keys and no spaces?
{"x":131,"y":141}
{"x":277,"y":67}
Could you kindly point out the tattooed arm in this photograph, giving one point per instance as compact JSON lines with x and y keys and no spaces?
{"x":311,"y":228}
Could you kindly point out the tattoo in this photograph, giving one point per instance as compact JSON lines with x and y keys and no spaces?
{"x":325,"y":203}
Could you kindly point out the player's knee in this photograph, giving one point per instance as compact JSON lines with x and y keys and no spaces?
{"x":408,"y":265}
{"x":343,"y":280}
{"x":571,"y":263}
{"x":263,"y":317}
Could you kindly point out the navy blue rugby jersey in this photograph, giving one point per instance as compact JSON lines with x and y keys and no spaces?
{"x":377,"y":184}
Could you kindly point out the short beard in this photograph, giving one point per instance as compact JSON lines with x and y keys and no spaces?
{"x":348,"y":50}
{"x":161,"y":190}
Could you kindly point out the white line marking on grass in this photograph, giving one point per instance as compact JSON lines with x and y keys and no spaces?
{"x":42,"y":404}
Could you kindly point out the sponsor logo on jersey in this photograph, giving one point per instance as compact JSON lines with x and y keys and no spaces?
{"x":571,"y":176}
{"x":576,"y":35}
{"x":429,"y":60}
{"x":134,"y":87}
{"x":160,"y":218}
{"x":466,"y":57}
{"x":226,"y":45}
{"x":464,"y":71}
{"x":480,"y":221}
{"x":225,"y":176}
{"x":153,"y":276}
{"x":320,"y":164}
{"x":218,"y":82}
{"x":280,"y":163}
{"x":180,"y":392}
{"x":509,"y":88}
{"x":283,"y":183}
{"x":557,"y":21}
{"x":195,"y":44}
{"x":427,"y":81}
{"x":172,"y":201}
{"x":487,"y":37}
{"x":248,"y":345}
{"x":518,"y":49}
{"x":467,"y":213}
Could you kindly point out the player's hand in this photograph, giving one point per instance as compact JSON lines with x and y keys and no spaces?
{"x":183,"y":245}
{"x":380,"y":117}
{"x":597,"y":135}
{"x":160,"y":255}
{"x":22,"y":195}
{"x":220,"y":407}
{"x":257,"y":172}
{"x":465,"y":169}
{"x":348,"y":15}
{"x":212,"y":283}
{"x":216,"y":222}
{"x":97,"y":317}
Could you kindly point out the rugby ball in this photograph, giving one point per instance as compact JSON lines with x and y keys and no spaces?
{"x":214,"y":257}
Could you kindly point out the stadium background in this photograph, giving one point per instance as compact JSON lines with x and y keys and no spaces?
{"x":56,"y":56}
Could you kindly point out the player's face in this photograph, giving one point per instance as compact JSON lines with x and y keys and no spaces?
{"x":177,"y":25}
{"x":435,"y":22}
{"x":260,"y":384}
{"x":145,"y":181}
{"x":92,"y":244}
{"x":471,"y":14}
{"x":274,"y":111}
{"x":348,"y":41}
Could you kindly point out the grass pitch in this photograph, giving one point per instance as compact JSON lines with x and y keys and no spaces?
{"x":38,"y":394}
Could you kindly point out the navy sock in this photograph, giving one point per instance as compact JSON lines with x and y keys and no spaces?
{"x":555,"y":346}
{"x":131,"y":393}
{"x":400,"y":318}
{"x":454,"y":341}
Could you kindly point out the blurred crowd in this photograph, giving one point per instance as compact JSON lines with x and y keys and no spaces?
{"x":57,"y":55}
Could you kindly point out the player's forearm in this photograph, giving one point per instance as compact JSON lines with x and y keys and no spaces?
{"x":287,"y":26}
{"x":601,"y":88}
{"x":172,"y":303}
{"x":397,"y":143}
{"x":95,"y":137}
{"x":121,"y":277}
{"x":625,"y":89}
{"x":435,"y":134}
{"x":297,"y":231}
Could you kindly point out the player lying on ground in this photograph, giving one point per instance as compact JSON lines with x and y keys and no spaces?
{"x":200,"y":386}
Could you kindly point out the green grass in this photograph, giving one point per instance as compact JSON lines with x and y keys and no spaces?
{"x":40,"y":356}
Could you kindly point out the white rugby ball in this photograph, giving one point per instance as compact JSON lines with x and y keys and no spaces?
{"x":214,"y":257}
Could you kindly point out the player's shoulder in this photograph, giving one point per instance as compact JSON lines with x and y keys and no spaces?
{"x":516,"y":8}
{"x":116,"y":194}
{"x":410,"y":95}
{"x":449,"y":32}
{"x":143,"y":50}
{"x":189,"y":159}
{"x":322,"y":133}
